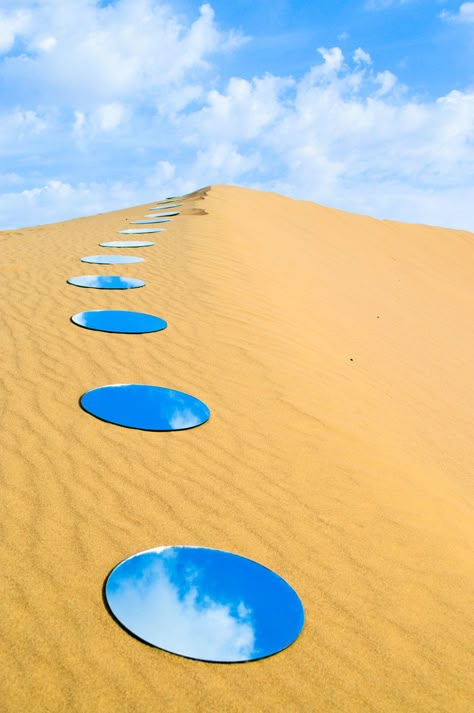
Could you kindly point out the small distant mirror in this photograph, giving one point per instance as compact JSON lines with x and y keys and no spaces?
{"x":111,"y":259}
{"x":106,"y":282}
{"x":145,"y":222}
{"x":163,"y":215}
{"x":139,"y":231}
{"x":167,"y":205}
{"x":127,"y":244}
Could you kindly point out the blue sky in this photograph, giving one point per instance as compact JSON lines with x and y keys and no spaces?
{"x":362,"y":105}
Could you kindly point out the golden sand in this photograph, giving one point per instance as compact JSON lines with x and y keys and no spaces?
{"x":336,"y":354}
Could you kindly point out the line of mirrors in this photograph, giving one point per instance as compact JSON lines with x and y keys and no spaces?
{"x":196,"y":602}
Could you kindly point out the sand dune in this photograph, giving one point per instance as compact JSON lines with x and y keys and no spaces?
{"x":335,"y":352}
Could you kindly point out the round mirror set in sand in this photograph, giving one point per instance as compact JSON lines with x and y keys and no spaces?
{"x":197,"y":602}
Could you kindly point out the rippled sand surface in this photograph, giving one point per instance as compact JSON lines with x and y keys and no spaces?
{"x":336,"y":354}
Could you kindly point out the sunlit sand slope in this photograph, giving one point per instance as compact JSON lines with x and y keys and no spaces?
{"x":336,"y":354}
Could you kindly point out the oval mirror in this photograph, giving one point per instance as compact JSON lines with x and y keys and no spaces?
{"x":106,"y":282}
{"x":119,"y":321}
{"x":127,"y":244}
{"x":111,"y":259}
{"x":148,"y":408}
{"x":139,"y":231}
{"x":204,"y":604}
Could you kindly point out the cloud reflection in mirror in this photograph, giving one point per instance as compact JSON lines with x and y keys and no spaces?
{"x":154,"y":220}
{"x":139,"y":231}
{"x":127,"y":244}
{"x":163,"y":215}
{"x":111,"y":259}
{"x":106,"y":282}
{"x":148,"y":408}
{"x":166,"y":205}
{"x":204,"y":604}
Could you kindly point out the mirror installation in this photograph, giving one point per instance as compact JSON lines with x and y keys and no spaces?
{"x":148,"y":408}
{"x":119,"y":321}
{"x":139,"y":231}
{"x":152,"y":220}
{"x":127,"y":244}
{"x":111,"y":259}
{"x":106,"y":282}
{"x":204,"y":604}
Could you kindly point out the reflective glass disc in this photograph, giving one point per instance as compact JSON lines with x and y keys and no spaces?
{"x":170,"y":213}
{"x":127,"y":244}
{"x":111,"y":259}
{"x":119,"y":321}
{"x":148,"y":408}
{"x":139,"y":231}
{"x":145,"y":222}
{"x":204,"y":604}
{"x":106,"y":282}
{"x":166,"y":205}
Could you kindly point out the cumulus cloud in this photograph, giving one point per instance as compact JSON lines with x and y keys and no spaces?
{"x":93,"y":53}
{"x":12,"y":25}
{"x":360,"y":56}
{"x":465,"y":14}
{"x":344,"y":136}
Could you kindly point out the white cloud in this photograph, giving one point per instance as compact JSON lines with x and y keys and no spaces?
{"x":465,"y":14}
{"x":387,"y":81}
{"x":47,"y":44}
{"x":361,"y":57}
{"x":340,"y":136}
{"x":21,"y":127}
{"x":109,"y":116}
{"x":94,"y":53}
{"x":58,"y":200}
{"x":333,"y":59}
{"x":239,"y":114}
{"x":11,"y":26}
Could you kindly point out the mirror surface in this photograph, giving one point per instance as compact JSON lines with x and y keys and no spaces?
{"x":145,"y":222}
{"x":111,"y":259}
{"x":119,"y":321}
{"x":139,"y":231}
{"x":169,"y":213}
{"x":106,"y":282}
{"x":166,"y":205}
{"x":148,"y":408}
{"x":127,"y":244}
{"x":204,"y":603}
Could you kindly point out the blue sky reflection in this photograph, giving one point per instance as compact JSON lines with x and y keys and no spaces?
{"x":106,"y":282}
{"x":205,"y":604}
{"x":127,"y":244}
{"x":145,"y":222}
{"x":169,"y":213}
{"x":139,"y":231}
{"x":162,"y":207}
{"x":148,"y":408}
{"x":119,"y":321}
{"x":111,"y":259}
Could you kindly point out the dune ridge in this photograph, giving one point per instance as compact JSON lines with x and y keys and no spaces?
{"x":334,"y":352}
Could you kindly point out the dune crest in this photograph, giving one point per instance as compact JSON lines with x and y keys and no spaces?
{"x":335,"y":354}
